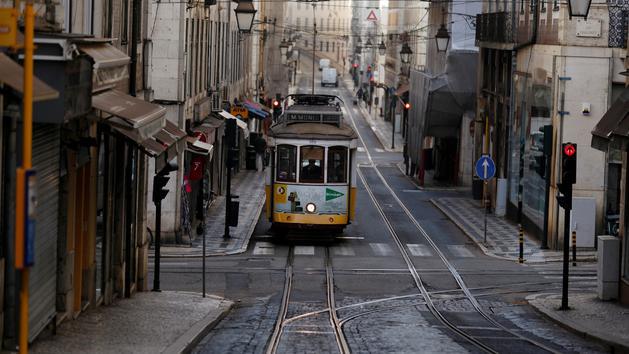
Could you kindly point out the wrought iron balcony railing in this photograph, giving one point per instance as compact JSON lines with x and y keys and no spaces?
{"x":496,"y":27}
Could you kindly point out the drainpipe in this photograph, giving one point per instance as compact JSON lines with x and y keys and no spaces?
{"x":135,"y":35}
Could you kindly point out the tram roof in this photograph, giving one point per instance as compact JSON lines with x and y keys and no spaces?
{"x":313,"y":131}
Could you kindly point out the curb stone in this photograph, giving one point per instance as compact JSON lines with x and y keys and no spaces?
{"x":192,"y":337}
{"x":572,"y":326}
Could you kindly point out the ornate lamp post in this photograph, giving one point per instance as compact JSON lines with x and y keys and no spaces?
{"x":245,"y":13}
{"x":579,"y":8}
{"x":442,"y":38}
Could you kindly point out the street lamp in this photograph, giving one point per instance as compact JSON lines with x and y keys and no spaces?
{"x":368,"y":44}
{"x":442,"y":38}
{"x":405,"y":54}
{"x":579,"y":8}
{"x":382,"y":49}
{"x":245,"y":13}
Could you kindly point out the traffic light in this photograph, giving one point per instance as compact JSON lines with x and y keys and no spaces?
{"x":568,"y":163}
{"x":230,"y":132}
{"x":407,"y":106}
{"x":160,"y":180}
{"x":354,"y":65}
{"x":277,"y":109}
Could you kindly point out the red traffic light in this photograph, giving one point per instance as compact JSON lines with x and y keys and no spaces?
{"x":569,"y":150}
{"x":276,"y":103}
{"x":355,"y":65}
{"x":407,"y":105}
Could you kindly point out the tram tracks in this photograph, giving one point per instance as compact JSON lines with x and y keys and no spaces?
{"x":282,"y":322}
{"x":419,"y":282}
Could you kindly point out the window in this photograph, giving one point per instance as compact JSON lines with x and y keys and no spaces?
{"x":337,"y":164}
{"x":286,"y":161}
{"x":311,"y":164}
{"x":327,"y":46}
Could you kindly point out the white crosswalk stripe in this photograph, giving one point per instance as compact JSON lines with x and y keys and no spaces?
{"x":305,"y":250}
{"x":379,"y":150}
{"x":343,"y":251}
{"x":361,"y":149}
{"x":381,"y":249}
{"x":264,"y":249}
{"x":460,"y":251}
{"x":418,"y":250}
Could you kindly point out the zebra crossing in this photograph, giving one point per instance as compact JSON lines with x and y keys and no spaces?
{"x":265,"y":248}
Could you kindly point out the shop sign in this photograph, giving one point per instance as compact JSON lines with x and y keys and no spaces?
{"x":8,"y":27}
{"x":240,"y":112}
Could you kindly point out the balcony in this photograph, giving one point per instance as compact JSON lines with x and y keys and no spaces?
{"x":494,"y":28}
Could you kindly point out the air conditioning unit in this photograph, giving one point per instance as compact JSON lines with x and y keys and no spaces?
{"x":216,"y":102}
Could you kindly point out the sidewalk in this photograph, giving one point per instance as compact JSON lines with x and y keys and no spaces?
{"x":380,"y":127}
{"x":502,"y":235}
{"x":249,"y":186}
{"x":605,"y":321}
{"x":166,"y":322}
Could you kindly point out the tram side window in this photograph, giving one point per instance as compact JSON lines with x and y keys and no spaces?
{"x":311,"y":164}
{"x":286,"y":163}
{"x":337,"y":164}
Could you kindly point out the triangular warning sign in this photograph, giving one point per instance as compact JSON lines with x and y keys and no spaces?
{"x":372,"y":16}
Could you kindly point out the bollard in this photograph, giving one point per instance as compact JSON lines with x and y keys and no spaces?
{"x":574,"y":248}
{"x":521,"y":241}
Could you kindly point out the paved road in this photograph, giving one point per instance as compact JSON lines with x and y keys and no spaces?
{"x":389,"y":284}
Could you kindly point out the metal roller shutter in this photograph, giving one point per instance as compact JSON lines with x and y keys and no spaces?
{"x":43,"y":275}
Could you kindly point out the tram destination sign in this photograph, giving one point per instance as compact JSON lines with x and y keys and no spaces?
{"x":314,"y":117}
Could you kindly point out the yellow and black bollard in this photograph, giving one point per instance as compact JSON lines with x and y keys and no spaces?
{"x":574,"y":248}
{"x":521,"y":242}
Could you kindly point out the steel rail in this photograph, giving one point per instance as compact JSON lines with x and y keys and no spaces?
{"x":274,"y":340}
{"x":334,"y":320}
{"x":455,"y":274}
{"x":417,"y":279}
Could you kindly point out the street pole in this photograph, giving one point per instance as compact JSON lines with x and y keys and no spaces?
{"x":228,"y":194}
{"x":314,"y":44}
{"x":393,"y":132}
{"x":566,"y":248}
{"x":158,"y":243}
{"x":27,"y":155}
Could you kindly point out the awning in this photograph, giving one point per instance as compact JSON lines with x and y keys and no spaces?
{"x":259,"y":107}
{"x":167,"y":140}
{"x":256,"y":112}
{"x":242,"y":125}
{"x":12,"y":74}
{"x":195,"y":145}
{"x":130,"y":112}
{"x":110,"y":64}
{"x":613,"y":128}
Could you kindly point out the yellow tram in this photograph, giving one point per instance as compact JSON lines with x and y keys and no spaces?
{"x":312,"y":180}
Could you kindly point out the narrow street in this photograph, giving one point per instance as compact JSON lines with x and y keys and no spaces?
{"x":388,"y":284}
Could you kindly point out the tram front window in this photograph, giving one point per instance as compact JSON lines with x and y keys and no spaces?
{"x":337,"y":164}
{"x":286,"y":158}
{"x":311,"y":164}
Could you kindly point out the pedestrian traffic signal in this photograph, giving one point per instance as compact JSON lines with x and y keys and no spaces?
{"x":159,"y":182}
{"x":407,"y":106}
{"x":568,"y":163}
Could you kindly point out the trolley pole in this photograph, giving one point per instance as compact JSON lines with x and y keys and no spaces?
{"x":27,"y":155}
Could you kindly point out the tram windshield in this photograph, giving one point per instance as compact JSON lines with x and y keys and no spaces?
{"x":286,"y":158}
{"x":311,"y":164}
{"x":337,"y":164}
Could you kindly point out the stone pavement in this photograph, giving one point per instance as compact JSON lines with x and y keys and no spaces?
{"x":605,"y":321}
{"x":380,"y":127}
{"x":502,"y":235}
{"x":249,"y":186}
{"x":148,"y":322}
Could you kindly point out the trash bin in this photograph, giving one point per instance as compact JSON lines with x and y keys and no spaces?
{"x":477,"y":188}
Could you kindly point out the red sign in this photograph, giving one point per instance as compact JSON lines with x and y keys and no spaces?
{"x":372,"y":16}
{"x":197,"y":165}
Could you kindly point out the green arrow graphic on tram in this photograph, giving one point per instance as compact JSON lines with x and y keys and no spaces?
{"x":332,"y":194}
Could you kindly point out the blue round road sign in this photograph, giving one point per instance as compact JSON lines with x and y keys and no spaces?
{"x":485,"y":167}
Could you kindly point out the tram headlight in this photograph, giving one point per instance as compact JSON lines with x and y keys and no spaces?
{"x":311,"y":208}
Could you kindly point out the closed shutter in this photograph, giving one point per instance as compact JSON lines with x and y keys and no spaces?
{"x":43,"y":275}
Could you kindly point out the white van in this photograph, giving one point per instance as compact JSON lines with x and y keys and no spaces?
{"x":324,"y":63}
{"x":329,"y":77}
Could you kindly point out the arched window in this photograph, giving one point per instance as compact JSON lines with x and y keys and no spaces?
{"x":286,"y":163}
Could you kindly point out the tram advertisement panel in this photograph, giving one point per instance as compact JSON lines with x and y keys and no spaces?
{"x":293,"y":198}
